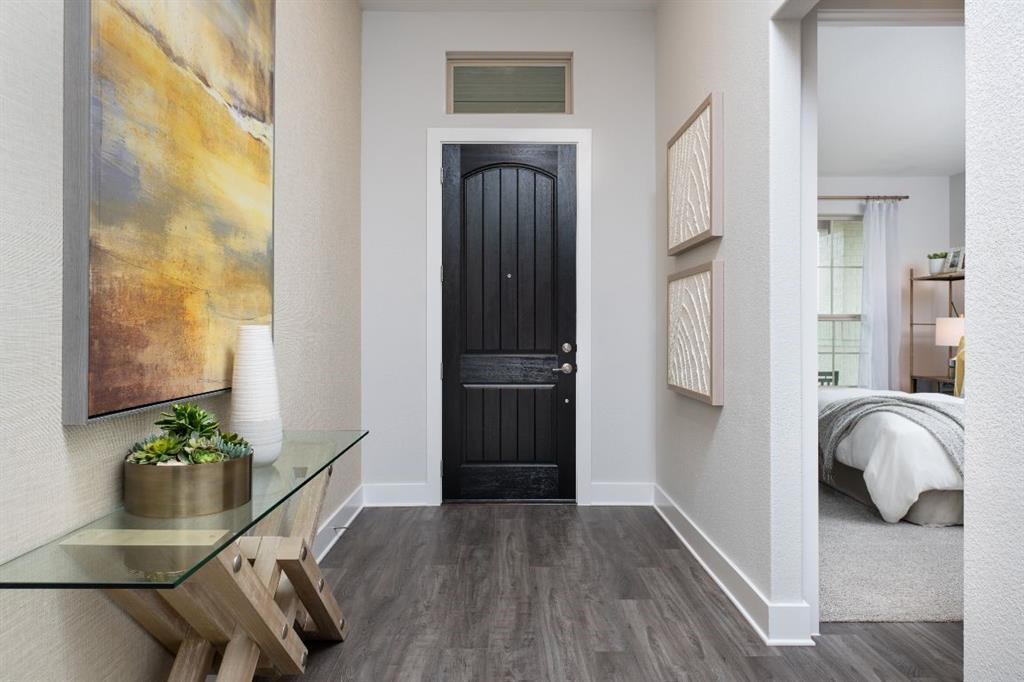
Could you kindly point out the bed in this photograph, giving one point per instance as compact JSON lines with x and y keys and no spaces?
{"x":895,"y":465}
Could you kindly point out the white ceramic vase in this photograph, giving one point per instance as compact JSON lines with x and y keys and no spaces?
{"x":255,"y":403}
{"x":936,"y":265}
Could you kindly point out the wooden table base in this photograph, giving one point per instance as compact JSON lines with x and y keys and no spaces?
{"x":249,"y":602}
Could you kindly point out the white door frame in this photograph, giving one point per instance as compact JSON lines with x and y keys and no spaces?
{"x":581,"y":138}
{"x":794,"y":199}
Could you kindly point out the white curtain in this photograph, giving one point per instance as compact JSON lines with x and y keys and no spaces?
{"x":880,"y":299}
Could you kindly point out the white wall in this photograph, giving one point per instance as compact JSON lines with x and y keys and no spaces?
{"x":993,"y":511}
{"x":958,"y":223}
{"x":895,"y":109}
{"x":729,"y":478}
{"x":53,"y":478}
{"x":957,"y":209}
{"x":403,"y":95}
{"x":924,"y":227}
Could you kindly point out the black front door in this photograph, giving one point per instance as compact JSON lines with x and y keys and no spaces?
{"x":509,"y":322}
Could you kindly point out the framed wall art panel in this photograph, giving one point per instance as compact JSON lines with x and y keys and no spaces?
{"x":696,"y":362}
{"x":168,"y":201}
{"x":696,"y":178}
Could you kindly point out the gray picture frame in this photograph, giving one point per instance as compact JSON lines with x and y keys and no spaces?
{"x":77,"y":187}
{"x":79,"y":179}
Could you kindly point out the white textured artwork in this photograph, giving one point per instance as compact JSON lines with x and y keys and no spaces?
{"x":689,"y":338}
{"x":689,"y":189}
{"x":694,"y":332}
{"x":694,"y":190}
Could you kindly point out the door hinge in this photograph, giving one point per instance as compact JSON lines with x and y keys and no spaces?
{"x":442,"y":274}
{"x":442,"y":175}
{"x":442,"y":371}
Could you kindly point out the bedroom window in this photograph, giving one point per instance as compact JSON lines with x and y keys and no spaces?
{"x":840,"y":271}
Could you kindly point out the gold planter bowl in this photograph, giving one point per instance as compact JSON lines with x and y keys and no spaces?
{"x":190,"y":490}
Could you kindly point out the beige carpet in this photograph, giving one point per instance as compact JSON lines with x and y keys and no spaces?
{"x":871,"y":570}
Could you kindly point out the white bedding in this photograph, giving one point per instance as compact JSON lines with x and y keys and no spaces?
{"x":899,"y":458}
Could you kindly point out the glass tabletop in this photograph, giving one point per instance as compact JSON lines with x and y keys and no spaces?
{"x":121,"y":550}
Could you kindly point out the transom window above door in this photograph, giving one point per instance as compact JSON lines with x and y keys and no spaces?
{"x":840,"y":278}
{"x":509,"y":82}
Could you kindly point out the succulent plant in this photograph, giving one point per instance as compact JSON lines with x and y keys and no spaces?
{"x":233,"y":438}
{"x":188,"y":421}
{"x":202,"y":451}
{"x":206,"y":457}
{"x":155,"y":449}
{"x":233,"y":446}
{"x":190,"y":435}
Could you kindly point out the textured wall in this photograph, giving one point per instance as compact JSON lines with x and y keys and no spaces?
{"x":714,"y":461}
{"x":53,"y":479}
{"x":993,"y":510}
{"x":404,"y":91}
{"x":316,"y":209}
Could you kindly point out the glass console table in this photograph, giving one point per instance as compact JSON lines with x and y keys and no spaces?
{"x":242,"y":582}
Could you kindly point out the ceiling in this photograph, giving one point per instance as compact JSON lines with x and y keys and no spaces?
{"x":505,"y":5}
{"x":890,"y":100}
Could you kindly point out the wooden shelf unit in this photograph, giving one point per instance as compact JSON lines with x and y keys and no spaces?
{"x":949,"y":278}
{"x":954,"y":276}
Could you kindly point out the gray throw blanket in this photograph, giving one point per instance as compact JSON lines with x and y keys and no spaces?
{"x":943,"y":420}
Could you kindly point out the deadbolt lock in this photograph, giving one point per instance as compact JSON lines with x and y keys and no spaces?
{"x":566,"y":347}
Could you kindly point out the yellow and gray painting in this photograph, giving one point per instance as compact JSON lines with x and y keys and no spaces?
{"x":181,"y":224}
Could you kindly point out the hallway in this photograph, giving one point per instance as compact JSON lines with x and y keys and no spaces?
{"x":546,"y":592}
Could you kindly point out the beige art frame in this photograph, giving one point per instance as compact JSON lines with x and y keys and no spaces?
{"x":695,"y":178}
{"x":695,"y":332}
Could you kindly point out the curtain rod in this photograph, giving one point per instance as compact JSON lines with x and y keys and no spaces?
{"x":867,"y":197}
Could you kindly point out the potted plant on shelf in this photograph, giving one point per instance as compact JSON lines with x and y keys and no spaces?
{"x":189,"y":469}
{"x":936,"y":262}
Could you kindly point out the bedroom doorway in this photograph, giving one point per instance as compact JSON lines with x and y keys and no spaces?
{"x":889,"y":237}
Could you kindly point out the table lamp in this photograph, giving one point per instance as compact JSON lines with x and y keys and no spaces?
{"x":949,"y":331}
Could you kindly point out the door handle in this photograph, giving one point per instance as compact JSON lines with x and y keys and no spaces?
{"x":566,"y":368}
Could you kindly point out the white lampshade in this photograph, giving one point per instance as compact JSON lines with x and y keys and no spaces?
{"x":255,"y":405}
{"x":948,"y":331}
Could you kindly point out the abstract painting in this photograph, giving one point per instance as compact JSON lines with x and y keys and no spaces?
{"x":695,"y":322}
{"x":169,"y":109}
{"x":695,"y":178}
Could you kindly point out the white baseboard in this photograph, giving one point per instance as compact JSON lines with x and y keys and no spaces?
{"x":778,"y":624}
{"x":640,"y":494}
{"x":399,"y":495}
{"x":334,"y":525}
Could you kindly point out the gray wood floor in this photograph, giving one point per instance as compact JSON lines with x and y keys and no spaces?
{"x":535,"y":592}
